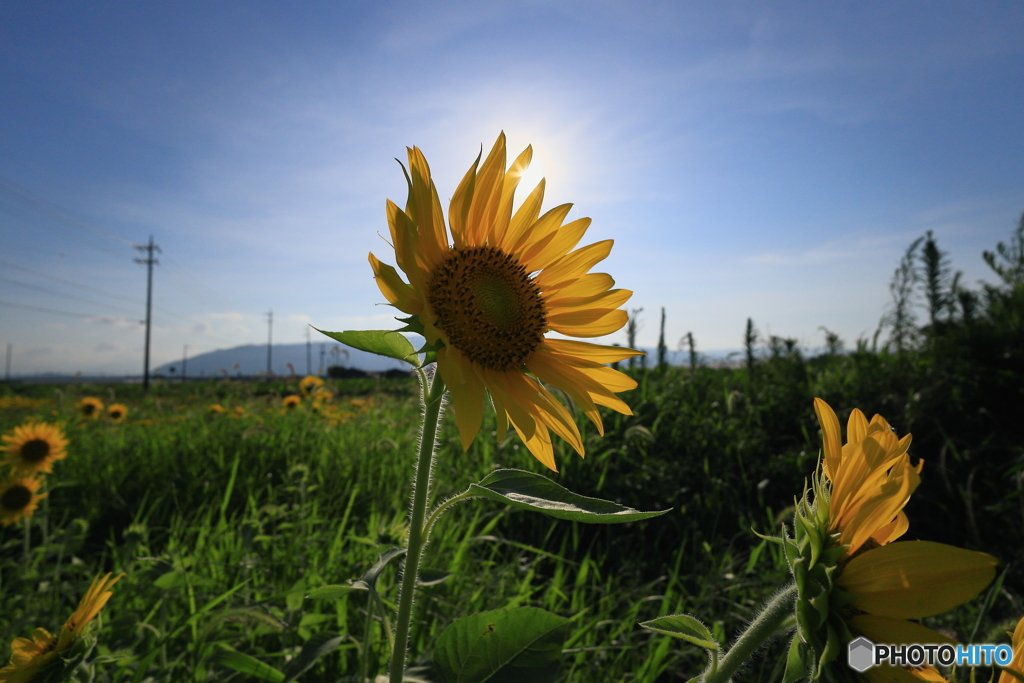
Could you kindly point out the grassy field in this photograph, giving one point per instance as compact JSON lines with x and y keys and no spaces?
{"x":223,"y":522}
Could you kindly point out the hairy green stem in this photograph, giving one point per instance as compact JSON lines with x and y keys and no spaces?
{"x":417,"y":530}
{"x":764,"y":626}
{"x":432,"y":520}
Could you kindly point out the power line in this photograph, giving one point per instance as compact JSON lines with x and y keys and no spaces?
{"x":66,"y":295}
{"x":46,"y":310}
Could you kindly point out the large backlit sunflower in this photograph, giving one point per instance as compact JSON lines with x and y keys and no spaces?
{"x":886,"y":584}
{"x":18,"y":498}
{"x":487,"y":299}
{"x":33,"y":447}
{"x":30,"y":656}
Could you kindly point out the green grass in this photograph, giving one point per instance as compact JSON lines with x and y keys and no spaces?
{"x":223,"y":524}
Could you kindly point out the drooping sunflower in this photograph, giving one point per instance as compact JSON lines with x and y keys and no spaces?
{"x":34,"y":446}
{"x":30,"y":656}
{"x":310,"y":383}
{"x":867,"y":482}
{"x":291,"y":402}
{"x":486,"y":300}
{"x":117,"y":412}
{"x":18,"y":498}
{"x":1017,"y":663}
{"x":90,"y":407}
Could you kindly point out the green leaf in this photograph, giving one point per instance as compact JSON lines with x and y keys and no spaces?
{"x":371,"y":574}
{"x":381,"y":342}
{"x":318,"y":645}
{"x":333,"y":592}
{"x":432,"y":577}
{"x":529,"y":491}
{"x":502,"y":646}
{"x":683,"y":626}
{"x":243,"y":663}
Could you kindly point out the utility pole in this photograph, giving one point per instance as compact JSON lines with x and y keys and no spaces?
{"x":149,"y":261}
{"x":321,"y":373}
{"x":7,"y":370}
{"x":309,"y":353}
{"x":184,"y":363}
{"x":270,"y":337}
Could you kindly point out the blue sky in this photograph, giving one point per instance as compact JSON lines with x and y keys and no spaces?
{"x":761,"y":159}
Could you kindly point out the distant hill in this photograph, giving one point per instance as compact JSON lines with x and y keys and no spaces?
{"x":251,"y":359}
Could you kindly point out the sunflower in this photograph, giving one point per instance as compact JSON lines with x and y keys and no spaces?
{"x":90,"y":407}
{"x":862,"y":490}
{"x":18,"y":498}
{"x":310,"y":383}
{"x":1017,"y":664}
{"x":117,"y":412}
{"x":215,"y":409}
{"x":486,"y":300}
{"x":291,"y":402}
{"x":30,"y":656}
{"x":34,"y":446}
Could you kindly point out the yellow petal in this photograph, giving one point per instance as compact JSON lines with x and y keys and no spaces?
{"x":915,"y":579}
{"x":524,"y":217}
{"x":590,"y":284}
{"x":458,"y":208}
{"x":832,"y":443}
{"x":592,"y":352}
{"x":595,"y":323}
{"x":511,"y":181}
{"x":467,"y":392}
{"x":856,"y":426}
{"x":398,"y":293}
{"x":560,"y":242}
{"x":574,"y":264}
{"x":537,"y":236}
{"x":896,"y":631}
{"x":486,"y":195}
{"x":424,"y":208}
{"x":610,"y":299}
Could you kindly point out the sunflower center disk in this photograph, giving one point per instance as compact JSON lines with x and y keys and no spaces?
{"x":35,"y":451}
{"x":488,"y":306}
{"x":15,"y":498}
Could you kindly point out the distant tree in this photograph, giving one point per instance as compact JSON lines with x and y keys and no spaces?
{"x":662,"y":349}
{"x":833,"y":342}
{"x":1011,"y":269}
{"x":632,"y":327}
{"x":749,"y":342}
{"x":935,"y":271}
{"x":900,"y":317}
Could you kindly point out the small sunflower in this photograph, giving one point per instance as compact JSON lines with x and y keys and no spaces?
{"x":291,"y":402}
{"x":310,"y":383}
{"x":90,"y":407}
{"x":117,"y":412}
{"x":486,"y":300}
{"x":30,"y":656}
{"x":216,"y":409}
{"x":1017,"y":664}
{"x":34,"y":446}
{"x":18,"y":498}
{"x":875,"y":586}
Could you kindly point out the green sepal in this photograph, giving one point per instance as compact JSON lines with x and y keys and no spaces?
{"x":771,"y":539}
{"x":388,"y":343}
{"x":796,"y":667}
{"x":684,"y":626}
{"x":830,"y":651}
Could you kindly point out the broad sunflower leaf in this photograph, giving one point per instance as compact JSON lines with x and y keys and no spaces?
{"x":529,"y":491}
{"x":683,"y":626}
{"x":502,"y":646}
{"x":381,"y":342}
{"x":318,"y":645}
{"x":243,"y":663}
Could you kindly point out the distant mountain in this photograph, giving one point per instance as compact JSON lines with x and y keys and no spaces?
{"x":251,"y":359}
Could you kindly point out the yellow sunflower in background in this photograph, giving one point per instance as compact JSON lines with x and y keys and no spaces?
{"x":487,"y":299}
{"x":90,"y":407}
{"x":889,"y":583}
{"x":1017,"y":664}
{"x":18,"y":498}
{"x":291,"y":402}
{"x":34,"y":446}
{"x":29,"y":656}
{"x":215,"y":409}
{"x":117,"y":412}
{"x":310,"y":383}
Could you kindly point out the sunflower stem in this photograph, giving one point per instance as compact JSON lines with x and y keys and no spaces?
{"x":417,"y":530}
{"x":763,"y":627}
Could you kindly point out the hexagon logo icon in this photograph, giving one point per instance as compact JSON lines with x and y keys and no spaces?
{"x":861,"y":655}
